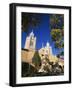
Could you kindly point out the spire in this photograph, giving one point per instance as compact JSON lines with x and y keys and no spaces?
{"x":32,"y":30}
{"x":47,"y":44}
{"x":32,"y":34}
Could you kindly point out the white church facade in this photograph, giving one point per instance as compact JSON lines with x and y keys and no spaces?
{"x":44,"y":51}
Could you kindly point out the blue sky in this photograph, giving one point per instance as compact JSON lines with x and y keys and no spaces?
{"x":42,"y":33}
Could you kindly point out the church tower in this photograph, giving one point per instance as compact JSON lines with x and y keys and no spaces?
{"x":30,"y":42}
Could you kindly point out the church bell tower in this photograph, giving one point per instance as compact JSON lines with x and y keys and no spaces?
{"x":30,"y":42}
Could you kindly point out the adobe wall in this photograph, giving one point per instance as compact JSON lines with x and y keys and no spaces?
{"x":27,"y":55}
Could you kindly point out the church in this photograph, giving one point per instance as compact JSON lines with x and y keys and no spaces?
{"x":44,"y":52}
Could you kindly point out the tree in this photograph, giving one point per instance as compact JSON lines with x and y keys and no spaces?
{"x":57,"y":38}
{"x":28,"y":20}
{"x":56,"y":21}
{"x":62,"y":53}
{"x":57,"y":30}
{"x":56,"y":35}
{"x":36,"y":60}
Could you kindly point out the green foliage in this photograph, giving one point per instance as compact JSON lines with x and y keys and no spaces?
{"x":56,"y":34}
{"x":57,"y":37}
{"x":57,"y":29}
{"x":28,"y":20}
{"x":56,"y":21}
{"x":59,"y":44}
{"x":62,"y":53}
{"x":36,"y":59}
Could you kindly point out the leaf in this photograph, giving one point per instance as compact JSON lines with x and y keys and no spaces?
{"x":30,"y":20}
{"x":56,"y":21}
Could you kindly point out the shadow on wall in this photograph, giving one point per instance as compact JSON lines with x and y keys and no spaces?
{"x":27,"y":70}
{"x":30,"y":70}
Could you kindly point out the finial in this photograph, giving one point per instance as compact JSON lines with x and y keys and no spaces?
{"x":32,"y":34}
